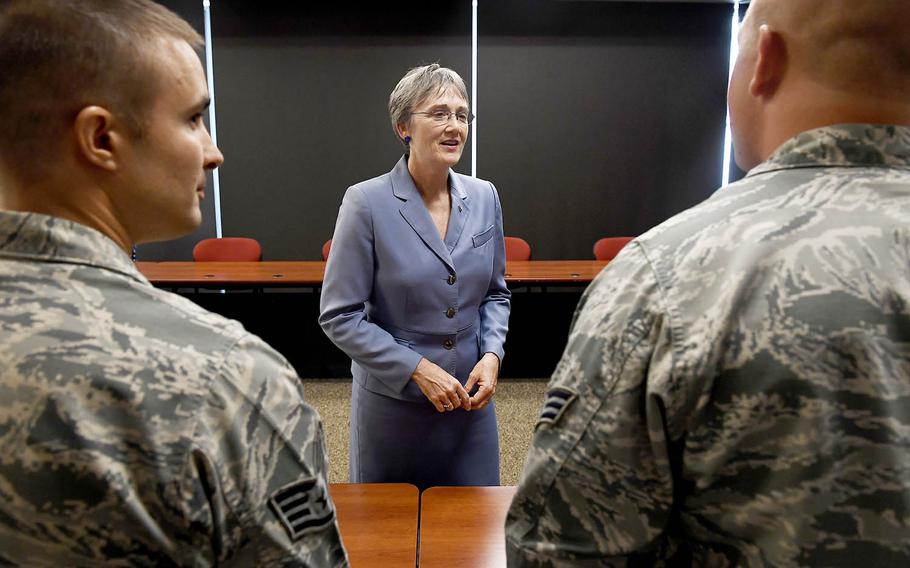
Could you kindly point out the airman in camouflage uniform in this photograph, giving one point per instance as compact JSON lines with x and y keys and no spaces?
{"x":136,"y":429}
{"x":136,"y":426}
{"x":736,"y":386}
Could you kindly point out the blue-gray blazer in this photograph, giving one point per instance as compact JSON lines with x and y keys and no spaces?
{"x":394,"y":291}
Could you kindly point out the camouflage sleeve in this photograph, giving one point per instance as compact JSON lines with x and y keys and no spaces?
{"x":257,"y":477}
{"x":597,"y":488}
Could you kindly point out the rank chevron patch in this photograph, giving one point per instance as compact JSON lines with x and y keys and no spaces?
{"x":558,"y":399}
{"x":303,"y":507}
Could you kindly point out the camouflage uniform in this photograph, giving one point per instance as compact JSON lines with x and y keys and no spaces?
{"x":137,"y":429}
{"x":736,"y":386}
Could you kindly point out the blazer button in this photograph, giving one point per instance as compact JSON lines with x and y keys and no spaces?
{"x":448,"y":344}
{"x":450,"y":313}
{"x":451,"y":279}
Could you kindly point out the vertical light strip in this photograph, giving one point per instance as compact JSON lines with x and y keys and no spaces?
{"x":474,"y":86}
{"x":734,"y":52}
{"x":210,"y":77}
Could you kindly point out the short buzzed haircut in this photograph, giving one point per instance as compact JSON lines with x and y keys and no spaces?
{"x":870,"y":48}
{"x":860,"y":46}
{"x":59,"y":56}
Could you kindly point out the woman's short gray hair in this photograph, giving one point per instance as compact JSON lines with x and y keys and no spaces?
{"x":416,"y":85}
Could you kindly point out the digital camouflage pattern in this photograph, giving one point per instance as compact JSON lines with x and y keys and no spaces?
{"x":736,"y":386}
{"x":136,"y":428}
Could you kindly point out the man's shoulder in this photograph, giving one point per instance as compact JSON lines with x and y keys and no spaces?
{"x":126,"y":321}
{"x":772,"y":206}
{"x":690,"y":224}
{"x":233,"y":350}
{"x":181,"y":311}
{"x":106,"y":333}
{"x":131,"y":381}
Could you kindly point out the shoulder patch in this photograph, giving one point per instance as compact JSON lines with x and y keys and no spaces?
{"x":558,"y":399}
{"x":303,"y":507}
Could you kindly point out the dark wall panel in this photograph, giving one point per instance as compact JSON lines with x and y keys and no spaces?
{"x":189,"y":10}
{"x":302,"y":106}
{"x":599,"y":119}
{"x":301,"y":120}
{"x":595,"y":118}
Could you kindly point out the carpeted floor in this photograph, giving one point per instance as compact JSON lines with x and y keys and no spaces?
{"x":518,"y":403}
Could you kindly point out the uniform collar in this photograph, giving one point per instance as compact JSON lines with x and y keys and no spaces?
{"x":844,"y":145}
{"x":42,"y":238}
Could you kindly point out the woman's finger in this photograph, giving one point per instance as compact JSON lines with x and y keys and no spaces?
{"x":457,"y":395}
{"x":440,"y":401}
{"x":450,"y":400}
{"x":464,"y":398}
{"x":482,"y":394}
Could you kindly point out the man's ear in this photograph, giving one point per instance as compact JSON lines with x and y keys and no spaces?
{"x":770,"y":63}
{"x":99,"y":137}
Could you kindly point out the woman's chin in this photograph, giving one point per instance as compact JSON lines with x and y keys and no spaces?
{"x":451,"y":160}
{"x":438,"y":161}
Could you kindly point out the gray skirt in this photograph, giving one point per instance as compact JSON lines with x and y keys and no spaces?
{"x":397,"y":441}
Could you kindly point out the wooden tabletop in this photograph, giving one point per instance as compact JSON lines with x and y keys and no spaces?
{"x":311,"y":273}
{"x":524,"y":272}
{"x":463,"y":526}
{"x":228,"y":274}
{"x":378,"y":523}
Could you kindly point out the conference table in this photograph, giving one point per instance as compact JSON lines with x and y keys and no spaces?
{"x":456,"y":526}
{"x":307,"y":273}
{"x":378,"y":522}
{"x":546,"y":292}
{"x":463,"y":526}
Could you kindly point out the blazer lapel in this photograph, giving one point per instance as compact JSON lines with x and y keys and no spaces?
{"x":415,"y":212}
{"x":459,"y":216}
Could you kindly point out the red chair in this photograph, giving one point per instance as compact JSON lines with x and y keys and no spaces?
{"x":228,"y":249}
{"x":326,"y":248}
{"x":607,"y":248}
{"x":517,"y":249}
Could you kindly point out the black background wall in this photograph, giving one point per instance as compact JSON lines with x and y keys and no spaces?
{"x":594,"y":118}
{"x":307,"y":91}
{"x":599,"y":118}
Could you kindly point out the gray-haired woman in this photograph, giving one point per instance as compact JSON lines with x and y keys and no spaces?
{"x":414,"y":293}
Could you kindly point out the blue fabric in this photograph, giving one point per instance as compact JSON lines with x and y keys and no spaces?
{"x":388,"y":282}
{"x":396,"y":441}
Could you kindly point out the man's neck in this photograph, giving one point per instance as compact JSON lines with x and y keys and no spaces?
{"x":819,"y":107}
{"x":80,"y":203}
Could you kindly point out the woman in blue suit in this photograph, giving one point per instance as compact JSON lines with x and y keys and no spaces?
{"x":415,"y":294}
